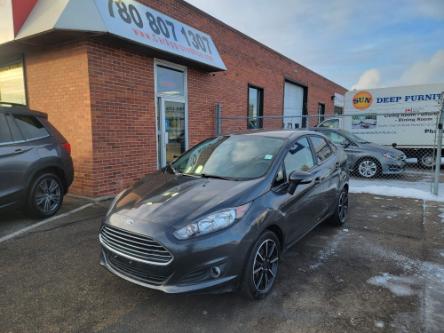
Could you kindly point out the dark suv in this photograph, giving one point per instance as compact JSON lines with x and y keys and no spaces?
{"x":36,"y":168}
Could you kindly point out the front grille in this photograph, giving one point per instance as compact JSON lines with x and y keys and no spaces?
{"x":135,"y":246}
{"x":134,"y":269}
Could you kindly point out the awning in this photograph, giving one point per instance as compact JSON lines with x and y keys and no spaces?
{"x":127,"y":19}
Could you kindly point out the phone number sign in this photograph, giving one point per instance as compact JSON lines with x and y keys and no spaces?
{"x":132,"y":20}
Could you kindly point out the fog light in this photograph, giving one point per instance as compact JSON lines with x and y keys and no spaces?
{"x":215,"y":272}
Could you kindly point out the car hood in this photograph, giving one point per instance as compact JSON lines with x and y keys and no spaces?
{"x":177,"y":200}
{"x":380,"y":149}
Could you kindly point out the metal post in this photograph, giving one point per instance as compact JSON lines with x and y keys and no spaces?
{"x":435,"y":189}
{"x":218,"y":114}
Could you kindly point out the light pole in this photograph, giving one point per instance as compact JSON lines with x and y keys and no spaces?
{"x":435,"y":189}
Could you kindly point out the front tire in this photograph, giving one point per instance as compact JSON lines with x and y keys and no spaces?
{"x":368,"y":168}
{"x":262,"y":267}
{"x":45,"y":196}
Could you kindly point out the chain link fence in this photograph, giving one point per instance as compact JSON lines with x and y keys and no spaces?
{"x":383,"y":149}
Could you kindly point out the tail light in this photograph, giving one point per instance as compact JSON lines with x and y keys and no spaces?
{"x":67,"y":147}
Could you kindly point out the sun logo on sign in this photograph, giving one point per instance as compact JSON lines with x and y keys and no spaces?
{"x":362,"y":100}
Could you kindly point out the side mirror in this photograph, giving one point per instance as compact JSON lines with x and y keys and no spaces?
{"x":346,"y":144}
{"x":297,"y":178}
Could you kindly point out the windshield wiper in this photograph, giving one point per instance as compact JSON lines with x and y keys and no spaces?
{"x":204,"y":175}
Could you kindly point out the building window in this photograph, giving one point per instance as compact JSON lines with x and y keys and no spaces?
{"x":12,"y":84}
{"x":321,"y":112}
{"x":255,"y":107}
{"x":170,"y":82}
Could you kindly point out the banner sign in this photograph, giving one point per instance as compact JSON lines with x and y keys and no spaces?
{"x":134,"y":21}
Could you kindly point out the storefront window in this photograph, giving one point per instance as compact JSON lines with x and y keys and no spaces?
{"x":12,"y":84}
{"x":170,"y":82}
{"x":255,"y":107}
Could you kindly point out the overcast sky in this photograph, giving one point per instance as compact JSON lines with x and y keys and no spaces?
{"x":359,"y":44}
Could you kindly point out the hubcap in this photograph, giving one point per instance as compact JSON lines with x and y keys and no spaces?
{"x":343,"y":206}
{"x":368,"y":168}
{"x":47,"y":196}
{"x":265,"y":265}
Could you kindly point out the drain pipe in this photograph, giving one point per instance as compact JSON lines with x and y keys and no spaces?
{"x":435,"y":189}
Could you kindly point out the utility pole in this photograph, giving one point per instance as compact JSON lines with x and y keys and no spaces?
{"x":435,"y":189}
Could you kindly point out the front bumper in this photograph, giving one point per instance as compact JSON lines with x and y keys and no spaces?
{"x":207,"y":264}
{"x":393,"y":167}
{"x":207,"y":284}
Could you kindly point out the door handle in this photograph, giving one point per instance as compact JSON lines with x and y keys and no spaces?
{"x":19,"y":150}
{"x":318,"y":180}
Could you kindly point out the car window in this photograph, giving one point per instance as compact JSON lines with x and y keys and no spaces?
{"x":5,"y":133}
{"x":322,"y":149}
{"x":331,"y":123}
{"x":299,"y":158}
{"x":335,"y":137}
{"x":30,"y":127}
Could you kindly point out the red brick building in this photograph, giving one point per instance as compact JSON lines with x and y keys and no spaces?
{"x":127,"y":107}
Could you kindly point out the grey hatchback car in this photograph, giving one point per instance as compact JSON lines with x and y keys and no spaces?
{"x":36,"y":168}
{"x":366,"y":159}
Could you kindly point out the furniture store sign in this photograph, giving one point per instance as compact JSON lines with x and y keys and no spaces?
{"x":132,"y":20}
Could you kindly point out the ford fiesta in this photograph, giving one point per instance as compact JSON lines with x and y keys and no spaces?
{"x":220,"y":216}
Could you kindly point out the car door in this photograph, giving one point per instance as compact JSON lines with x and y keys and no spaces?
{"x":300,"y":209}
{"x":17,"y":158}
{"x":10,"y":178}
{"x":349,"y":147}
{"x":327,"y":173}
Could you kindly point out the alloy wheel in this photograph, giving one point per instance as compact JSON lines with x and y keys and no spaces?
{"x":265,"y":266}
{"x":368,"y":168}
{"x":48,"y":195}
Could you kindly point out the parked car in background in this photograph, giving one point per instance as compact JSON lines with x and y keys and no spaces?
{"x":36,"y":168}
{"x":220,"y":216}
{"x":366,"y":159}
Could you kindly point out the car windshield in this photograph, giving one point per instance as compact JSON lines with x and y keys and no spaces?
{"x":237,"y":157}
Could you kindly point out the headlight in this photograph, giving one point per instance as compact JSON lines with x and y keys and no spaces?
{"x":390,"y":156}
{"x":211,"y":223}
{"x":117,"y":197}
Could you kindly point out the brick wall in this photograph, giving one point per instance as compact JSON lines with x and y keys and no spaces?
{"x":100,"y":94}
{"x":57,"y":83}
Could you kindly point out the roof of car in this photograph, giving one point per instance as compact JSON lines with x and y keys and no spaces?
{"x":283,"y":134}
{"x":20,"y":109}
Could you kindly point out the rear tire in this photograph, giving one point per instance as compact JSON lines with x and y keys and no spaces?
{"x":45,"y":196}
{"x":426,"y":160}
{"x":262,"y":267}
{"x":340,"y":216}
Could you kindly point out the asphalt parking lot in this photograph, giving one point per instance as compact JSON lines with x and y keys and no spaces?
{"x":382,"y":272}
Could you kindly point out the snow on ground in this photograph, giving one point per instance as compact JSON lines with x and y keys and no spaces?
{"x":396,"y":188}
{"x":398,"y":285}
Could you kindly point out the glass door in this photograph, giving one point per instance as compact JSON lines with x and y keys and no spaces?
{"x":171,"y":129}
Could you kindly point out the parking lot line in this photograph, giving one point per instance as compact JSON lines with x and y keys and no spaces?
{"x":31,"y":227}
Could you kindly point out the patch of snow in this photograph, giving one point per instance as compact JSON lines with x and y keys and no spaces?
{"x":328,"y":251}
{"x":428,"y":278}
{"x":379,"y":324}
{"x":396,"y":188}
{"x":441,"y":254}
{"x":345,"y":230}
{"x":398,"y":285}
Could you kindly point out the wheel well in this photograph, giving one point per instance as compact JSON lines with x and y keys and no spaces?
{"x":55,"y":170}
{"x":278,"y":232}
